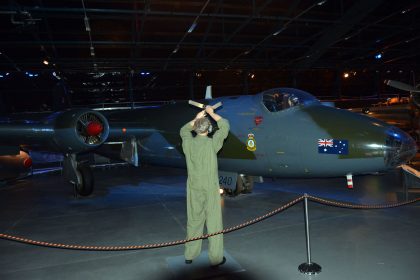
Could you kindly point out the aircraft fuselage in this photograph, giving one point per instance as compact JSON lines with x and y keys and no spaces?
{"x":288,"y":139}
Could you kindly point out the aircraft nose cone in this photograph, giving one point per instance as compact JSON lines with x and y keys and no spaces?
{"x":400,"y":148}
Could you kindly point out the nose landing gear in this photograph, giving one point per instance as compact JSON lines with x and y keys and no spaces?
{"x":79,"y":174}
{"x":244,"y":184}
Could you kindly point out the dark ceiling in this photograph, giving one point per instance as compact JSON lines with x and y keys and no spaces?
{"x":143,"y":50}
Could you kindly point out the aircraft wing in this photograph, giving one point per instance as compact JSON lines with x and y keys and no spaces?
{"x":401,"y":86}
{"x":70,"y":131}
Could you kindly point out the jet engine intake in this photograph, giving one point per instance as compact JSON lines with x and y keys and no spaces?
{"x":80,"y":130}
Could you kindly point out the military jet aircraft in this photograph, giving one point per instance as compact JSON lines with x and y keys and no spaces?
{"x":281,"y":132}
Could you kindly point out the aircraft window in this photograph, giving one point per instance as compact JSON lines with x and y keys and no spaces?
{"x":278,"y":101}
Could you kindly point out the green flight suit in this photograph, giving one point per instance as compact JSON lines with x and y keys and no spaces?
{"x":203,"y":197}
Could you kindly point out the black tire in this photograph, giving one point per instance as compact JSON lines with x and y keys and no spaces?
{"x":86,"y":187}
{"x":249,"y":184}
{"x":239,"y":185}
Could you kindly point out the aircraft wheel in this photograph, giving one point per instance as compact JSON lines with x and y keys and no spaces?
{"x":244,"y":184}
{"x":249,"y":184}
{"x":239,"y":185}
{"x":86,"y":187}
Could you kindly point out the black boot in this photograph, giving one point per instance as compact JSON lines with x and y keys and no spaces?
{"x":219,"y":264}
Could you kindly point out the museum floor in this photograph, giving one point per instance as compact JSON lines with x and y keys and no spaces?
{"x":147,"y":205}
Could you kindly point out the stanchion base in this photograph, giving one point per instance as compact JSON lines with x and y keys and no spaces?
{"x":309,"y":268}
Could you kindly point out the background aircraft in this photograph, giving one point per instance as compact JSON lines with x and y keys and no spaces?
{"x":401,"y":111}
{"x":281,"y":132}
{"x":14,"y":164}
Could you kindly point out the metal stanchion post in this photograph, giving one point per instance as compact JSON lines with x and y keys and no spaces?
{"x":308,"y":267}
{"x":405,"y":183}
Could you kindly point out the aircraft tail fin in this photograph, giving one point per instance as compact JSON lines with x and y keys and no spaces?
{"x":208,"y":92}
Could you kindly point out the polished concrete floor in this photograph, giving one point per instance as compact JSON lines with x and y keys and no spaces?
{"x":147,"y":205}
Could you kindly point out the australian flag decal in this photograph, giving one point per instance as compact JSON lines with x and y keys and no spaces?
{"x":333,"y":146}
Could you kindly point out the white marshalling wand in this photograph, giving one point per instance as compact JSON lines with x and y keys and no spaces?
{"x":208,"y":96}
{"x":203,"y":106}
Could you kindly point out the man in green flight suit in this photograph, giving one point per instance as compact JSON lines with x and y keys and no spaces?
{"x":203,"y":197}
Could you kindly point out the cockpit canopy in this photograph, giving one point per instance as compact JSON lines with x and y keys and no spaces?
{"x":279,"y":99}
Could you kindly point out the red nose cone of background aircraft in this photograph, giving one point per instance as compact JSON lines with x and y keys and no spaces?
{"x":27,"y":162}
{"x":94,"y":128}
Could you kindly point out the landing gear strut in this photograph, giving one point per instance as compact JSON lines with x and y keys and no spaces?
{"x":79,"y":174}
{"x":244,"y":184}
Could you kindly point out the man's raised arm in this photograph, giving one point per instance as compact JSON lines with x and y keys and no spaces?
{"x":223,"y":131}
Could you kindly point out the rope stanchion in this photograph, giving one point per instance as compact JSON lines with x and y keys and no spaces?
{"x":148,"y":246}
{"x":309,"y":267}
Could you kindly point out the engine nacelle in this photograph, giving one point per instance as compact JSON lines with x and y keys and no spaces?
{"x":79,"y":130}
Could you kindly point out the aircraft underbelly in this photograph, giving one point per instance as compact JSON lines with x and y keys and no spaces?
{"x":156,"y":149}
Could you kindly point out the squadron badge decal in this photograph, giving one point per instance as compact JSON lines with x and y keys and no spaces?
{"x":251,"y":145}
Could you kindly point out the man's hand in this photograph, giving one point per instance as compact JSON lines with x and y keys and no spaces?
{"x":200,"y":115}
{"x":209,"y":110}
{"x":211,"y":113}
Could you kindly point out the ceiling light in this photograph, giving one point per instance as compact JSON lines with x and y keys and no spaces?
{"x":346,"y":75}
{"x":56,"y":76}
{"x":192,"y":27}
{"x":378,"y":56}
{"x":45,"y":62}
{"x":278,"y":31}
{"x":92,"y":51}
{"x":320,"y":3}
{"x":87,"y":25}
{"x":176,"y":49}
